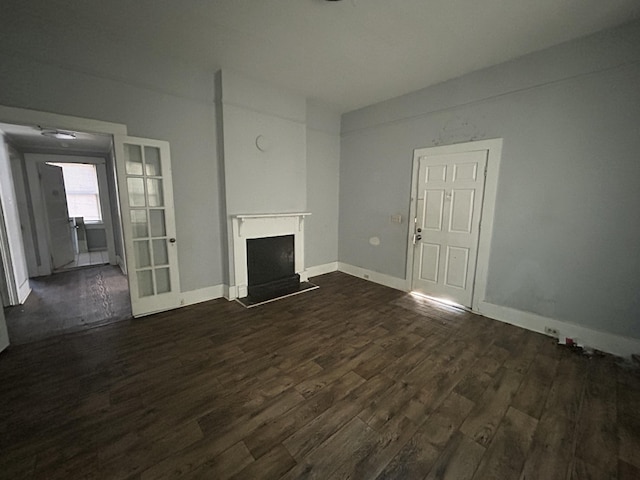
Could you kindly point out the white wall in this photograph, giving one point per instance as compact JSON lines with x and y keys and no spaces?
{"x":566,"y":229}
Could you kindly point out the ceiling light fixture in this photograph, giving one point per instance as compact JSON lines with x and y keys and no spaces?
{"x":59,"y":134}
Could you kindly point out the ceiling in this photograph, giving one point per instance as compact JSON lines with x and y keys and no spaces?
{"x":348,"y":53}
{"x":30,"y":139}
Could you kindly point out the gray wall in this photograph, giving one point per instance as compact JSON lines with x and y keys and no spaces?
{"x":323,"y":171}
{"x":85,"y":73}
{"x":155,"y":97}
{"x":566,"y":227}
{"x":269,"y":181}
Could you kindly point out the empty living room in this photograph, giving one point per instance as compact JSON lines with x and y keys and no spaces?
{"x":337,"y":239}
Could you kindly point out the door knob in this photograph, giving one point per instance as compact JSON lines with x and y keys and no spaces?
{"x":418,"y":237}
{"x":419,"y":230}
{"x":172,"y":240}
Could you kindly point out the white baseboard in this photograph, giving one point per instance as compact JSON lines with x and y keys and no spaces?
{"x":380,"y":278}
{"x":201,"y":295}
{"x":586,"y":337}
{"x":230,"y":292}
{"x":322,"y":269}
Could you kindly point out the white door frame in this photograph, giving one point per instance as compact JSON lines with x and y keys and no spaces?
{"x":21,"y":116}
{"x":12,"y":243}
{"x":8,"y":286}
{"x":4,"y":334}
{"x":494,"y":155}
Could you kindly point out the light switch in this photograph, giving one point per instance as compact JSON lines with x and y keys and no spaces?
{"x":397,"y":218}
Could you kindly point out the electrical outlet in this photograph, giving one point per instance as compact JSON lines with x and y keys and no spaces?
{"x":551,"y":331}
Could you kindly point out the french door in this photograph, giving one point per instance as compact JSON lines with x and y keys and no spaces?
{"x":148,"y":223}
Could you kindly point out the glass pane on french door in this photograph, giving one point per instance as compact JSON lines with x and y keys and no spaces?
{"x":145,"y":190}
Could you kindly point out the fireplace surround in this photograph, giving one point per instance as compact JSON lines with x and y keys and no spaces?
{"x":254,"y":226}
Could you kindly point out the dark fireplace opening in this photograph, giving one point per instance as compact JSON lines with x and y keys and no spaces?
{"x":271,"y":267}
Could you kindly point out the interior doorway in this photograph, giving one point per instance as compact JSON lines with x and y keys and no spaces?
{"x":144,"y":227}
{"x":88,"y":223}
{"x":70,"y":233}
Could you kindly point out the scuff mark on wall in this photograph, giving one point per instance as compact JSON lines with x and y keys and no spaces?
{"x":458,"y":130}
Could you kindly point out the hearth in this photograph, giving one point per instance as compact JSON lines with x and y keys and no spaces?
{"x":271,"y":267}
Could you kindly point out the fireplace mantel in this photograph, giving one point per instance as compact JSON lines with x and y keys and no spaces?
{"x":277,"y":215}
{"x":247,"y":226}
{"x":243,"y":218}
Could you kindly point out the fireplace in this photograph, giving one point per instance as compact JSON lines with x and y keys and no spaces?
{"x":271,"y":267}
{"x":267,"y":257}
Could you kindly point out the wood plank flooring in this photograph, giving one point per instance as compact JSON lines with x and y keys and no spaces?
{"x":353,"y":380}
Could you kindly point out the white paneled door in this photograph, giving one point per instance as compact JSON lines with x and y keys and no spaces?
{"x":58,"y":225}
{"x":148,"y":223}
{"x":447,"y":227}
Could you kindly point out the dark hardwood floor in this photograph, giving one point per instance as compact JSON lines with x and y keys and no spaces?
{"x":353,"y":380}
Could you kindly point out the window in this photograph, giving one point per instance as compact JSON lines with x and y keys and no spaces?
{"x":81,"y":186}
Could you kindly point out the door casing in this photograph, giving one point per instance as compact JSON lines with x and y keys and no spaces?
{"x":494,"y":154}
{"x":21,"y":116}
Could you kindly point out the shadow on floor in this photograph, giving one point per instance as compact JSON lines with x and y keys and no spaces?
{"x":70,"y":301}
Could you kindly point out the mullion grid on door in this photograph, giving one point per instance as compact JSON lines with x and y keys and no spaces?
{"x":148,"y":240}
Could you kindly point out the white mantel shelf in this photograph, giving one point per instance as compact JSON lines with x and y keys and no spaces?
{"x":269,"y":215}
{"x":275,"y":216}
